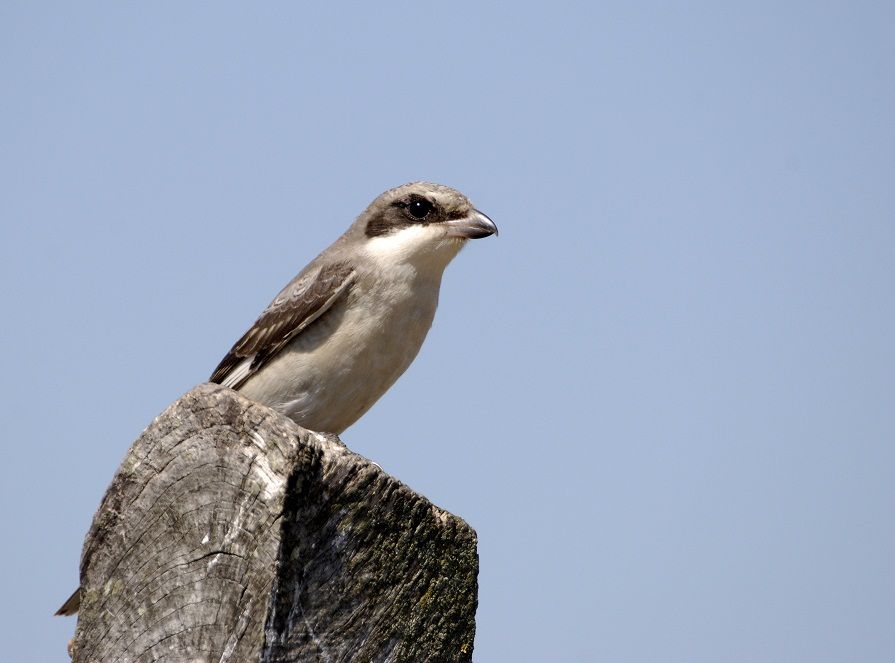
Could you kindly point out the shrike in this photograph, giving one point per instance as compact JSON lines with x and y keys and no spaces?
{"x":342,"y":331}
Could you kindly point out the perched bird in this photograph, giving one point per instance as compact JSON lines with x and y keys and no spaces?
{"x":342,"y":331}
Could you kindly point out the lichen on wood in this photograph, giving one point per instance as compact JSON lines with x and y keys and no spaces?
{"x":229,"y":533}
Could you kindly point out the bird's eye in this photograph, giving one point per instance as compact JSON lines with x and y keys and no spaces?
{"x":419,"y":208}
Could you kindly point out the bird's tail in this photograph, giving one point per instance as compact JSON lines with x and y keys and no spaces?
{"x":70,"y":607}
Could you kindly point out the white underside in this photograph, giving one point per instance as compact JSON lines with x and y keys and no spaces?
{"x":338,"y":367}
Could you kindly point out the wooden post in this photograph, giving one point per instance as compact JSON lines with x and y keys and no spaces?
{"x":231,"y":534}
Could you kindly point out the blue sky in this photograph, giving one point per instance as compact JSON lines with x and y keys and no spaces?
{"x":664,"y":396}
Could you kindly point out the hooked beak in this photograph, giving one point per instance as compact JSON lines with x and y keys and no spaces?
{"x":474,"y":226}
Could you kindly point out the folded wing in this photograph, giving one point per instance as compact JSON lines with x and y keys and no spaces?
{"x":305,"y":299}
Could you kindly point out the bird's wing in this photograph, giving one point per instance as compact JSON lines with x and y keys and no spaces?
{"x":301,"y":302}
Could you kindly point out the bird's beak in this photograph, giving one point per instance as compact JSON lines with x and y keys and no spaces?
{"x":473,"y":226}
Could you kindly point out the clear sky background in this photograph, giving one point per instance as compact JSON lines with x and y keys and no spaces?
{"x":664,"y":396}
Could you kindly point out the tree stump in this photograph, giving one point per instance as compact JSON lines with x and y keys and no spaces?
{"x":230,"y":533}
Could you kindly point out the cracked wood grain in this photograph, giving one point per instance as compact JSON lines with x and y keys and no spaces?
{"x":231,"y":534}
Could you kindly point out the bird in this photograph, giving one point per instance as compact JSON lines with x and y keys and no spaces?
{"x":340,"y":333}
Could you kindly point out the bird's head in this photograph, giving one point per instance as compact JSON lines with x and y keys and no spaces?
{"x":421,"y":221}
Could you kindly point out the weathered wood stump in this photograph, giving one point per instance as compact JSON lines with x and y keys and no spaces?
{"x":231,"y":534}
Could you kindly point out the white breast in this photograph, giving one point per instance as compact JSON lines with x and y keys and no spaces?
{"x":336,"y":369}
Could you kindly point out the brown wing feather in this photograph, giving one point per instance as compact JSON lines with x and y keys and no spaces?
{"x":306,"y":298}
